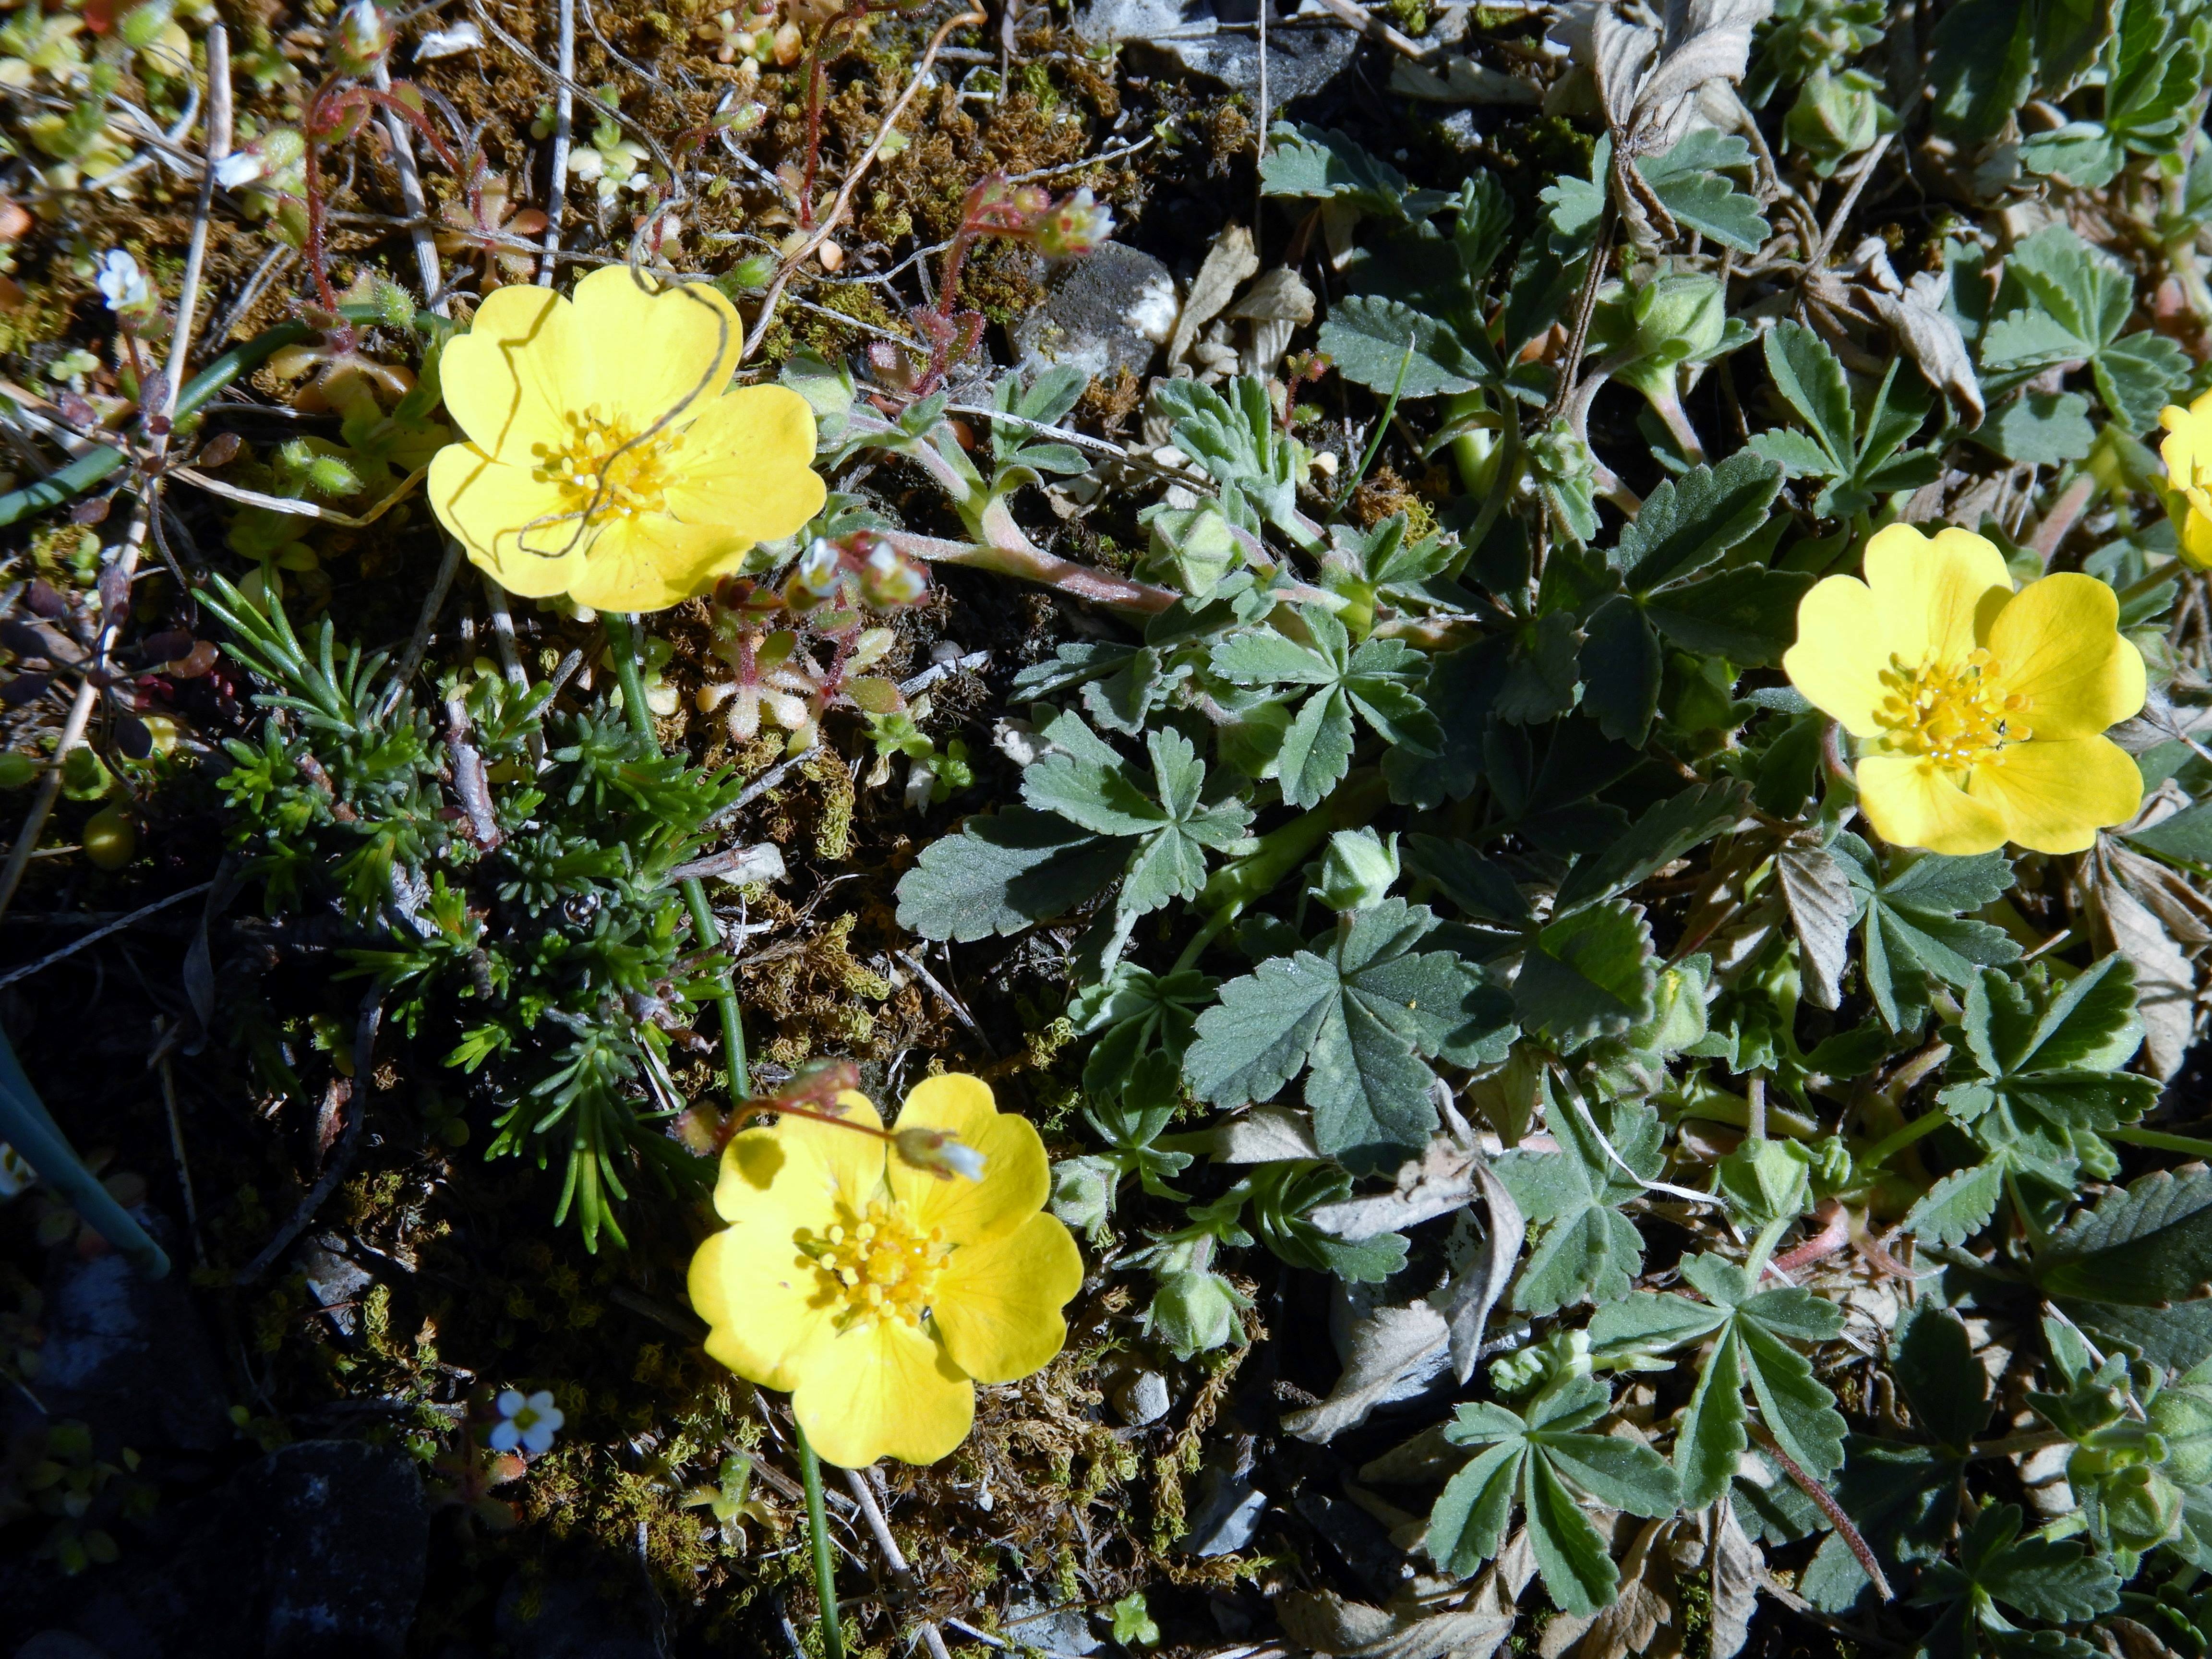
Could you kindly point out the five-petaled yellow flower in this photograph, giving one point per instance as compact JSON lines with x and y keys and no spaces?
{"x":879,"y":1293}
{"x":2187,"y":450}
{"x":606,"y":460}
{"x":1980,"y":711}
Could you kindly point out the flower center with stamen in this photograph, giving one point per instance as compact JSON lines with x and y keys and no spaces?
{"x":1953,"y":716}
{"x":608,"y":470}
{"x":880,"y":1265}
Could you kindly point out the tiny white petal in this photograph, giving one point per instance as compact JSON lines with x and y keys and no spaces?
{"x":543,"y":1401}
{"x":241,"y":167}
{"x":505,"y":1437}
{"x":510,"y":1401}
{"x":965,"y":1159}
{"x":448,"y":42}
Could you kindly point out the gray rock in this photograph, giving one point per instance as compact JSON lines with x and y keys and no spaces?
{"x":346,"y":1540}
{"x":128,"y":1354}
{"x":1035,"y":1624}
{"x":60,"y":1645}
{"x":1303,"y":55}
{"x":1110,"y":311}
{"x":1225,"y":1516}
{"x":572,"y":1617}
{"x":1142,"y":1399}
{"x":334,"y":1280}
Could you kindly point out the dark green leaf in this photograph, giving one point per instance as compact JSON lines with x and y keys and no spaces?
{"x":1587,"y":976}
{"x":1001,"y":873}
{"x":1689,"y":522}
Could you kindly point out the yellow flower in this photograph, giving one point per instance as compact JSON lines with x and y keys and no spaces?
{"x":879,"y":1293}
{"x":567,"y":487}
{"x":2187,"y":452}
{"x":1979,"y":712}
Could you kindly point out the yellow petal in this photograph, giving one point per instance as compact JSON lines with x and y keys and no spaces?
{"x":1936,"y":597}
{"x":883,"y":1390}
{"x":765,"y":1303}
{"x":854,"y":1161}
{"x":1017,"y":1175}
{"x":509,"y":381}
{"x":1912,"y":803}
{"x":748,"y":465}
{"x":651,"y":561}
{"x":777,"y":1180}
{"x":2058,"y":644}
{"x":2195,"y":534}
{"x":1838,"y":658}
{"x":2054,"y":797}
{"x":656,"y":348}
{"x":999,"y":1301}
{"x":511,"y":524}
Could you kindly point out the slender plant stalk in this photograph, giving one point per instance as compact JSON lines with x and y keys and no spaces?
{"x":817,"y":1528}
{"x":622,"y":637}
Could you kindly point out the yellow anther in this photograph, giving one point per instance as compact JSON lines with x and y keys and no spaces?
{"x":1955,"y":715}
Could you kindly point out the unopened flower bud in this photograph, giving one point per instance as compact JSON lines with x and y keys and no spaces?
{"x":1836,"y":117}
{"x":818,"y":569}
{"x":1357,"y":870}
{"x":940,"y":1152}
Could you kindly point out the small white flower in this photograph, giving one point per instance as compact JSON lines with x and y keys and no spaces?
{"x":527,"y":1422}
{"x":120,"y":282}
{"x":239,"y":168}
{"x":940,"y":1152}
{"x":817,"y":571}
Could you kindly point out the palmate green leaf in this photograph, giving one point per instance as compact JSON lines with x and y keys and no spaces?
{"x":1556,"y":1468}
{"x":1933,"y":1358}
{"x":2187,"y":836}
{"x":1990,"y":56}
{"x":2151,"y":79}
{"x":2039,"y":429}
{"x":1755,"y":1329}
{"x":1960,"y":1205}
{"x":2065,"y":302}
{"x":1360,"y":1010}
{"x":2039,"y":1067}
{"x":1689,"y":522}
{"x":2147,"y":1246}
{"x":1367,"y":338}
{"x":1668,"y":830}
{"x":1691,"y":181}
{"x":1325,"y":166}
{"x":1857,"y":453}
{"x":1087,"y":783}
{"x":1587,"y":976}
{"x":1585,"y":1249}
{"x":1237,"y":443}
{"x":1911,"y":931}
{"x":1138,"y":1013}
{"x":2058,"y":1580}
{"x":1377,"y":679}
{"x":1003,"y":872}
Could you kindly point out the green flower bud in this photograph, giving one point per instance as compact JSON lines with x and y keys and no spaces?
{"x":2139,"y":1507}
{"x":1196,"y":548}
{"x":143,"y":25}
{"x":1082,"y":1193}
{"x":1768,"y":1180}
{"x":2183,"y":1419}
{"x":1194,"y":1312}
{"x":1836,"y":117}
{"x":749,"y":274}
{"x":1357,"y":870}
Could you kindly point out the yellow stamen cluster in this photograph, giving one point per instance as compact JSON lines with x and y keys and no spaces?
{"x":605,"y":471}
{"x":880,"y":1265}
{"x":1955,"y":715}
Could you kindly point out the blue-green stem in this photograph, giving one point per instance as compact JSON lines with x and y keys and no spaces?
{"x":1891,"y":1144}
{"x":25,"y":1125}
{"x":1382,"y":429}
{"x":96,"y":466}
{"x":818,"y":1530}
{"x":2160,"y":1140}
{"x":622,"y":640}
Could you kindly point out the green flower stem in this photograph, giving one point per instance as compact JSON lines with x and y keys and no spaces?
{"x":25,"y":1125}
{"x":1889,"y":1146}
{"x":1358,"y":799}
{"x":2160,"y":1141}
{"x":1382,"y":431}
{"x":817,"y":1528}
{"x":621,"y":638}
